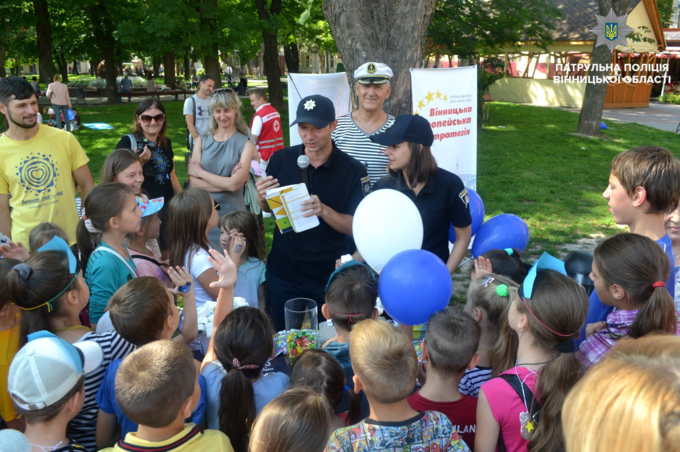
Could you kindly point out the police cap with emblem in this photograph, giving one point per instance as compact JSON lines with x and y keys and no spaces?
{"x":412,"y":128}
{"x":373,"y":74}
{"x":316,"y":110}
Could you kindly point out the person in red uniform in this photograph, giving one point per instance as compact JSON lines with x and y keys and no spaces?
{"x":265,"y":127}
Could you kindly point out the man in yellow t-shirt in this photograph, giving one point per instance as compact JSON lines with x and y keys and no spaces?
{"x":39,"y":167}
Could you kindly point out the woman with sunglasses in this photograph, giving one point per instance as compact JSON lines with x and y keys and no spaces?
{"x":158,"y":159}
{"x":220,"y":162}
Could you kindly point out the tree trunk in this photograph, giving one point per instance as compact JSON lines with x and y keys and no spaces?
{"x":271,"y":52}
{"x":62,"y":67}
{"x":75,"y":68}
{"x":400,"y":45}
{"x":187,"y":66}
{"x":156,"y":61}
{"x":169,"y":65}
{"x":291,"y":54}
{"x":593,"y":99}
{"x":2,"y":57}
{"x":212,"y":66}
{"x":43,"y":29}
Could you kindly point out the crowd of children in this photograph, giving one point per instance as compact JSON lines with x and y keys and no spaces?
{"x":96,"y":354}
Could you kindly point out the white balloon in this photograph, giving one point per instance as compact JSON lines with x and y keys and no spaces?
{"x":386,"y":223}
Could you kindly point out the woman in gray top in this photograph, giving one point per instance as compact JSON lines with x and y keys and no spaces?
{"x":220,"y":162}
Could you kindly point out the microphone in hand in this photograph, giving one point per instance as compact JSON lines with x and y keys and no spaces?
{"x":303,"y":163}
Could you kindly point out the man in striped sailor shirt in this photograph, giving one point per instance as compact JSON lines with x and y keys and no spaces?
{"x":354,"y":129}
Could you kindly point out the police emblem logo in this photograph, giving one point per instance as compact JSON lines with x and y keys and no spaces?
{"x":366,"y":185}
{"x":611,"y":31}
{"x":371,"y":68}
{"x":465,"y":197}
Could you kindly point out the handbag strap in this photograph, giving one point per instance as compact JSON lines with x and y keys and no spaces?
{"x":121,"y":258}
{"x":525,"y":394}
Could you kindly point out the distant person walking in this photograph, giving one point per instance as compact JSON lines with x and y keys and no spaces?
{"x":61,"y":102}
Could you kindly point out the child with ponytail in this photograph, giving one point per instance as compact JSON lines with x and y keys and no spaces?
{"x":488,"y":300}
{"x":521,"y":408}
{"x":236,"y":388}
{"x":113,"y":212}
{"x":629,"y":274}
{"x":318,"y":370}
{"x":51,"y":292}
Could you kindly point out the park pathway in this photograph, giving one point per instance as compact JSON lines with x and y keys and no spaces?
{"x":660,"y":116}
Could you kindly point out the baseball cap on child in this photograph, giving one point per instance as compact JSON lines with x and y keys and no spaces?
{"x":48,"y":367}
{"x":150,"y":206}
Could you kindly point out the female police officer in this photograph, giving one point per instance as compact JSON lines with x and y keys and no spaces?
{"x":440,"y":196}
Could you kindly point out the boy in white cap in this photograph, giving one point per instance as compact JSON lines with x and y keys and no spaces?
{"x":46,"y":382}
{"x":354,"y":129}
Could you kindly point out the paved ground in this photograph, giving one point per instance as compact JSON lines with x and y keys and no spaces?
{"x":660,"y":116}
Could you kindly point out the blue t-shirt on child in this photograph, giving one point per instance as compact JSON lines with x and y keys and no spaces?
{"x":598,"y":312}
{"x":106,"y":399}
{"x":250,"y":276}
{"x":266,"y":389}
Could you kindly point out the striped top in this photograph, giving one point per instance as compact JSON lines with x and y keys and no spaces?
{"x":473,"y":380}
{"x":82,"y":427}
{"x":351,"y":139}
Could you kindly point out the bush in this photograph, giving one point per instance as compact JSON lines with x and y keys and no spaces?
{"x":671,"y":99}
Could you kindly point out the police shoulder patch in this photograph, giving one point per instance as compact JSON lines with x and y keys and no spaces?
{"x":366,"y":185}
{"x":465,"y":197}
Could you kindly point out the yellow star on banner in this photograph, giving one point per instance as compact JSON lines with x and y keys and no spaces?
{"x":421,"y":105}
{"x":439,"y":95}
{"x":530,"y":426}
{"x":417,"y":112}
{"x":429,"y":97}
{"x":445,"y":98}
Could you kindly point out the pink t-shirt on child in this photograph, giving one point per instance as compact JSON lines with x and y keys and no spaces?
{"x":149,"y":266}
{"x":506,"y":406}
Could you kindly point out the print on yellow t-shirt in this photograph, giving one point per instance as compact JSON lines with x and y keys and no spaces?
{"x":37,"y":174}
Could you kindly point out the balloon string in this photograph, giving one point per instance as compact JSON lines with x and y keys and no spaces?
{"x":465,"y":261}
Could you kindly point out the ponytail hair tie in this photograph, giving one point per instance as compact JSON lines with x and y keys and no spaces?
{"x":24,"y":271}
{"x":566,"y":346}
{"x":659,"y":284}
{"x":502,"y":290}
{"x":238,"y":366}
{"x":510,"y":251}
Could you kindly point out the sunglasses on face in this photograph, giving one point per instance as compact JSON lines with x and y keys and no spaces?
{"x":146,"y":119}
{"x":223,"y":90}
{"x":217,"y":206}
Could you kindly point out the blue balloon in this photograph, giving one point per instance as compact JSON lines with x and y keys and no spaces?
{"x":413,"y":285}
{"x":500,"y":232}
{"x":71,"y":115}
{"x":603,"y":125}
{"x":476,"y":212}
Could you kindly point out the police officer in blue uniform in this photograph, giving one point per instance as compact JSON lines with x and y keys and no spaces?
{"x":300,"y":264}
{"x":440,"y":196}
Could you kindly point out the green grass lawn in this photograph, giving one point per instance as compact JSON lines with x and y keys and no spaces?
{"x":528,"y":165}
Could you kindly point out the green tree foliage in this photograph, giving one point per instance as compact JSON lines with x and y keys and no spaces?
{"x":469,"y":28}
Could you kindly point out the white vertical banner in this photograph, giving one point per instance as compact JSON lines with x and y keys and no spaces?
{"x":333,"y":86}
{"x":447,"y":98}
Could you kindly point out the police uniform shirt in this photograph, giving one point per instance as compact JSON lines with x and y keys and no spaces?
{"x":443,"y":200}
{"x":340,"y":183}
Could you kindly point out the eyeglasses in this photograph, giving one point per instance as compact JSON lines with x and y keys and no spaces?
{"x":217,"y":206}
{"x":146,"y":119}
{"x":223,"y":90}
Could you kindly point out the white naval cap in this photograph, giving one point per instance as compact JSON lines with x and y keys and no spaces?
{"x":373,"y":74}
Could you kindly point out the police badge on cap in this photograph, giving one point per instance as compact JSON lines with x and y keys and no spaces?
{"x":373,"y":74}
